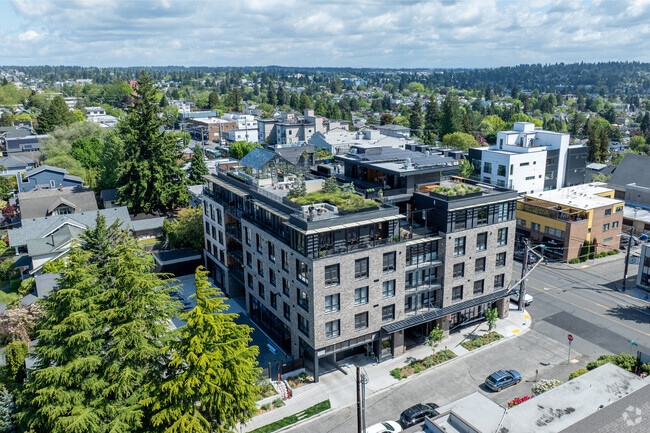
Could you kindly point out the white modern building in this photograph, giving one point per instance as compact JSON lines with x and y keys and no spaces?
{"x":249,"y":135}
{"x":530,"y":160}
{"x":339,"y":141}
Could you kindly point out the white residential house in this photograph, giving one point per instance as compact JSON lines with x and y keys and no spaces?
{"x":530,"y":160}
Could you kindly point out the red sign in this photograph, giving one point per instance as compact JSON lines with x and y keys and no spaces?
{"x":570,"y":337}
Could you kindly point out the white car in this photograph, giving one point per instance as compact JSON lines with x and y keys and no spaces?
{"x":528,"y":299}
{"x":385,"y":427}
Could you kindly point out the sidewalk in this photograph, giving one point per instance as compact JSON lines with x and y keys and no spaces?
{"x":341,"y":388}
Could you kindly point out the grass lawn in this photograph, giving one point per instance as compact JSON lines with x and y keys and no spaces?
{"x":477,"y":342}
{"x":8,"y":294}
{"x":149,"y":241}
{"x":343,"y":200}
{"x":292,"y":419}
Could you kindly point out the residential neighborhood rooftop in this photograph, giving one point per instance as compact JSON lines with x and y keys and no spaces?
{"x":579,"y":196}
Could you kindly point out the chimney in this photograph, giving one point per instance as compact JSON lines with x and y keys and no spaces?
{"x":60,"y":187}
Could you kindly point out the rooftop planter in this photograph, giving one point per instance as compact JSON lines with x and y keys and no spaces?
{"x":460,"y":190}
{"x":346,"y":202}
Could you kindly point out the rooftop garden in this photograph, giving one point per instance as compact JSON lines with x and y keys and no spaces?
{"x":343,"y":198}
{"x":459,"y":189}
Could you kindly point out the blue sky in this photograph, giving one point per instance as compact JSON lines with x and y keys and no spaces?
{"x":363,"y":33}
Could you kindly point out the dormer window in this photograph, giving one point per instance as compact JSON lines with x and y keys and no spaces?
{"x":52,"y":184}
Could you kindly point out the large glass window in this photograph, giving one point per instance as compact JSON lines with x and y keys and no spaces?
{"x":332,"y":275}
{"x":499,"y":281}
{"x":460,"y":220}
{"x":303,"y":299}
{"x":361,"y":295}
{"x":459,"y":246}
{"x":388,"y":313}
{"x":301,"y":271}
{"x":501,"y":170}
{"x":361,"y":320}
{"x":303,"y":325}
{"x":287,"y":311}
{"x":285,"y":287}
{"x":481,"y":241}
{"x":271,"y":248}
{"x":479,"y":265}
{"x":482,"y":216}
{"x":332,"y":303}
{"x":478,"y":287}
{"x":502,"y":236}
{"x":487,"y":167}
{"x":361,"y":268}
{"x":333,"y":329}
{"x":272,"y":277}
{"x":459,"y":270}
{"x":389,"y":262}
{"x":388,"y":289}
{"x":501,"y":260}
{"x":260,"y":290}
{"x":502,"y":212}
{"x":457,"y":293}
{"x":285,"y":261}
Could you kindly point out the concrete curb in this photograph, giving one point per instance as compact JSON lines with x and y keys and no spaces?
{"x":404,"y":381}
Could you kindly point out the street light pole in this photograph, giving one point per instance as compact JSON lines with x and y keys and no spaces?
{"x":359,"y":420}
{"x":627,"y":257}
{"x":522,"y":287}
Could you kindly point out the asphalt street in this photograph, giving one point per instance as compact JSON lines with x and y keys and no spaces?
{"x":583,"y":302}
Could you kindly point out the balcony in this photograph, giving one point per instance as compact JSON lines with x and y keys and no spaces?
{"x":234,"y":231}
{"x":426,"y":284}
{"x":555,"y":212}
{"x":237,"y":255}
{"x":237,"y":273}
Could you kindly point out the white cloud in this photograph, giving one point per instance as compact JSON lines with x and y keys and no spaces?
{"x":382,"y":33}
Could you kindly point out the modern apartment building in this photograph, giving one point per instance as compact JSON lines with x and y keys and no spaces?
{"x":328,"y":282}
{"x":530,"y":160}
{"x":643,"y":277}
{"x":213,"y":128}
{"x":292,"y":129}
{"x":563,"y":219}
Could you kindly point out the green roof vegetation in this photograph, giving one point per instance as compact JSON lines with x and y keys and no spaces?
{"x":460,"y":189}
{"x":347,"y":201}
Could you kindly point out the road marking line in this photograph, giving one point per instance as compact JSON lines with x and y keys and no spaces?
{"x":574,"y":294}
{"x":591,"y":311}
{"x":574,"y":361}
{"x":516,"y":331}
{"x":584,"y":266}
{"x":526,"y":316}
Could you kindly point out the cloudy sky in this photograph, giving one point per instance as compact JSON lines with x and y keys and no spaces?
{"x":362,"y":33}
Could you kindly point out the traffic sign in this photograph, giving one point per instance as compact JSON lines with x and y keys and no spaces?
{"x":570,"y":337}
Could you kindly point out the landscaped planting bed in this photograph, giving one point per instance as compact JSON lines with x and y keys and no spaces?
{"x":420,"y":365}
{"x":477,"y":342}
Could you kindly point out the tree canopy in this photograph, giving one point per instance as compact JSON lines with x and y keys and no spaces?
{"x":459,"y":140}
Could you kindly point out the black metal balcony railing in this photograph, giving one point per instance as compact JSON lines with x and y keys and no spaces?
{"x":237,"y":273}
{"x":237,"y":255}
{"x":427,"y":283}
{"x":234,"y":231}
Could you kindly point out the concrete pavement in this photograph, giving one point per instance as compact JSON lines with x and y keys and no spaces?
{"x":340,"y":387}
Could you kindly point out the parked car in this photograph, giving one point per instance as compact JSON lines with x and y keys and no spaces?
{"x":528,"y":299}
{"x":502,"y":379}
{"x":416,"y":414}
{"x":384,"y":427}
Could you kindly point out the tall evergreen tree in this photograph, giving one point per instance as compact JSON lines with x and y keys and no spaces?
{"x":603,"y":141}
{"x":7,"y":411}
{"x":468,"y":128}
{"x":645,"y":123}
{"x":450,"y":119}
{"x":415,"y":119}
{"x":197,"y":169}
{"x":150,"y":176}
{"x":270,"y":96}
{"x":209,"y":385}
{"x":110,"y":160}
{"x":593,"y":145}
{"x":281,"y":95}
{"x":432,"y":115}
{"x":213,"y":99}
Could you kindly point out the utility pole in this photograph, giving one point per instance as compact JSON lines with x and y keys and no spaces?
{"x":524,"y":269}
{"x":364,"y":382}
{"x":627,"y":257}
{"x":359,"y":419}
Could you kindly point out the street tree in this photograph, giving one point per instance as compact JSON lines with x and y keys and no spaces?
{"x":459,"y":140}
{"x":435,"y":337}
{"x":240,"y":149}
{"x":209,"y":384}
{"x":150,"y":176}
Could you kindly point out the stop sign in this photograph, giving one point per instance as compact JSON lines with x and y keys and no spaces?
{"x":570,"y":337}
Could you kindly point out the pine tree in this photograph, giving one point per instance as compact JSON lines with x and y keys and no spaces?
{"x":210,"y":382}
{"x":213,"y":99}
{"x":270,"y":96}
{"x":150,"y":176}
{"x":63,"y":394}
{"x":197,"y":167}
{"x":281,"y":95}
{"x":432,"y":115}
{"x":467,"y":124}
{"x":7,"y":411}
{"x":415,"y":119}
{"x":110,"y":160}
{"x":450,"y":119}
{"x":603,"y":141}
{"x":645,"y":123}
{"x":17,"y":352}
{"x":593,"y":146}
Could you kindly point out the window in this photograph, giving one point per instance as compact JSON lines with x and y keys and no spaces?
{"x":501,"y":260}
{"x":332,"y":303}
{"x":274,"y":300}
{"x":221,"y":238}
{"x":482,"y":216}
{"x":619,"y":208}
{"x":388,"y":313}
{"x":287,"y":311}
{"x":272,"y":277}
{"x":460,"y":220}
{"x":457,"y":293}
{"x":247,"y":236}
{"x":498,"y":281}
{"x":605,"y":227}
{"x":487,"y":167}
{"x":361,"y":320}
{"x":303,"y":325}
{"x":502,"y":211}
{"x":219,"y":216}
{"x":530,"y":177}
{"x":332,"y":275}
{"x":52,"y":184}
{"x":388,"y":289}
{"x":389,"y":262}
{"x":479,"y":265}
{"x":608,"y":240}
{"x":303,"y":299}
{"x":512,"y":168}
{"x":502,"y":236}
{"x":249,"y":259}
{"x":258,"y":242}
{"x":361,"y":268}
{"x":501,"y":170}
{"x":361,"y":295}
{"x":260,"y":268}
{"x":271,"y":252}
{"x":285,"y":287}
{"x":333,"y":329}
{"x":478,"y":287}
{"x":481,"y":241}
{"x":521,"y":222}
{"x":285,"y":261}
{"x":487,"y":180}
{"x":554,"y":232}
{"x":608,"y":212}
{"x":260,"y":290}
{"x":524,"y":164}
{"x":615,"y":224}
{"x":534,"y":227}
{"x":459,"y":270}
{"x":250,"y":281}
{"x":501,"y":183}
{"x":207,"y":228}
{"x":301,"y":271}
{"x":459,"y":246}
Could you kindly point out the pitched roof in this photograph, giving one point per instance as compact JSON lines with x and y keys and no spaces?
{"x":12,"y":161}
{"x":40,"y":203}
{"x":630,"y":170}
{"x":257,"y":158}
{"x":293,"y":153}
{"x":54,"y":243}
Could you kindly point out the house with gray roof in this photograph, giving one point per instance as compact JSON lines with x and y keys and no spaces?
{"x":339,"y":141}
{"x":631,"y":170}
{"x":47,"y":177}
{"x":14,"y":165}
{"x":51,"y":202}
